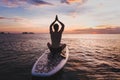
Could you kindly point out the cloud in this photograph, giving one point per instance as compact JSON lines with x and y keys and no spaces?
{"x":77,"y":6}
{"x":16,"y":3}
{"x":14,"y":19}
{"x":38,"y":2}
{"x":108,"y":30}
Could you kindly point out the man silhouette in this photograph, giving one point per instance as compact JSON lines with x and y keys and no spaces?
{"x":56,"y":35}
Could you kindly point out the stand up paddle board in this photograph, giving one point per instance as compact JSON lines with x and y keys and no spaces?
{"x":48,"y":65}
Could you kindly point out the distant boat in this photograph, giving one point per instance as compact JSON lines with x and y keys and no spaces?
{"x":27,"y":33}
{"x":2,"y":32}
{"x":8,"y":33}
{"x":24,"y":32}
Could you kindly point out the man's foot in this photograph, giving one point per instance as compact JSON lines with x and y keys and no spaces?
{"x":63,"y":51}
{"x":62,"y":55}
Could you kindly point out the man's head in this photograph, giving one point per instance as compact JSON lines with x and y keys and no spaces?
{"x":56,"y":27}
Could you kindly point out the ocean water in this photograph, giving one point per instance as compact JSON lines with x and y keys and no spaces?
{"x":92,"y":56}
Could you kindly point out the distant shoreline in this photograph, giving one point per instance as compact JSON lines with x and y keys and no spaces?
{"x":48,"y":33}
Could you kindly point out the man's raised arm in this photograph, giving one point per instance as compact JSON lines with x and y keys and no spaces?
{"x":62,"y":28}
{"x":51,"y":26}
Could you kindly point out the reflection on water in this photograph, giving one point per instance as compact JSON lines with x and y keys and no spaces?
{"x":92,"y":57}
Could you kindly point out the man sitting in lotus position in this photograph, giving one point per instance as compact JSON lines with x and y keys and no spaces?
{"x":56,"y":34}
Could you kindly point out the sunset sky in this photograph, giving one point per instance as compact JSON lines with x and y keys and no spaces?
{"x":79,"y":16}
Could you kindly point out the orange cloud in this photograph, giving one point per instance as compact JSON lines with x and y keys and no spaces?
{"x":19,"y":29}
{"x":73,"y":1}
{"x":107,"y":30}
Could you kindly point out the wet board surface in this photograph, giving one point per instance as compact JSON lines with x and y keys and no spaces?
{"x":48,"y":65}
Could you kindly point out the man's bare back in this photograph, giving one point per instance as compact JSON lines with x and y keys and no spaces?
{"x":56,"y":35}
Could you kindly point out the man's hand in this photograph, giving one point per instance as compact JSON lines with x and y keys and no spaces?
{"x":56,"y":18}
